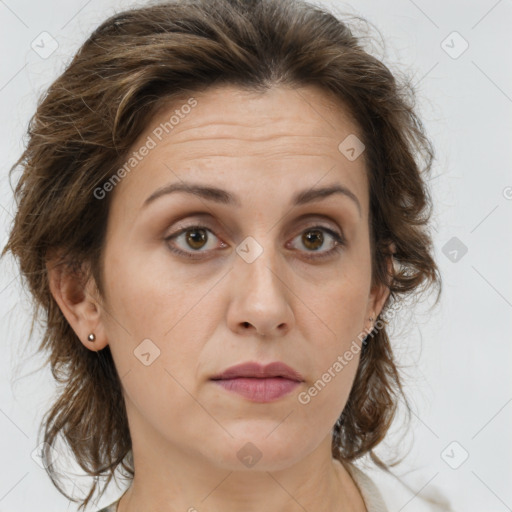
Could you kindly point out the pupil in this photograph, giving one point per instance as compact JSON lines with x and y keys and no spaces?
{"x":195,"y":241}
{"x":317,"y":236}
{"x":313,"y":239}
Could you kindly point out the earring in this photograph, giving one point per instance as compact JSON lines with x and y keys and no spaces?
{"x":91,"y":337}
{"x":365,"y":340}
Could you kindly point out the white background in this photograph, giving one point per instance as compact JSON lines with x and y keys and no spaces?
{"x":458,"y":355}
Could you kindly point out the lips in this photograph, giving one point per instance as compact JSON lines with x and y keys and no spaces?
{"x":259,"y":383}
{"x":258,"y":371}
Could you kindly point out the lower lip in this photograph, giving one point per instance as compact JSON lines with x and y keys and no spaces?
{"x":259,"y":390}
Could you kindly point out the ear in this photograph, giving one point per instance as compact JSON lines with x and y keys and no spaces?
{"x":379,"y":293}
{"x":78,"y":302}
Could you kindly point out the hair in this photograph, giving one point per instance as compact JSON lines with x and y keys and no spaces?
{"x":84,"y":127}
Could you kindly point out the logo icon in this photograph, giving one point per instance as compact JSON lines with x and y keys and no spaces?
{"x":249,"y":454}
{"x":454,"y":249}
{"x":44,"y":45}
{"x":455,"y":455}
{"x":249,"y":249}
{"x":351,"y":147}
{"x":146,"y":352}
{"x":454,"y":45}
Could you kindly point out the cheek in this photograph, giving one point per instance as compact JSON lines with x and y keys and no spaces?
{"x":341,"y":306}
{"x":155,"y":338}
{"x":341,"y":295}
{"x":325,"y":396}
{"x":336,"y":333}
{"x":158,"y":397}
{"x":153,"y":308}
{"x":146,"y":292}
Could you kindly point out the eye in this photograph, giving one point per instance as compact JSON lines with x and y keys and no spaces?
{"x":313,"y":239}
{"x":196,"y":237}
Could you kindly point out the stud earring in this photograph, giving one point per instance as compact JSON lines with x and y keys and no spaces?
{"x":371,"y":321}
{"x":91,"y":337}
{"x":365,"y":339}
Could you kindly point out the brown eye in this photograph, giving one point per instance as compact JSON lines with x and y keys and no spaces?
{"x":313,"y":239}
{"x":193,"y":240}
{"x":196,"y":237}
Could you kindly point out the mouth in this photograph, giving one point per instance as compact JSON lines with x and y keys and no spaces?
{"x":259,"y":383}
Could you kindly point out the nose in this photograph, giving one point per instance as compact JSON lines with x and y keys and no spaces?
{"x":260,"y":302}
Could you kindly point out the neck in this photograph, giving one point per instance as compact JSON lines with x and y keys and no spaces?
{"x":171,"y":480}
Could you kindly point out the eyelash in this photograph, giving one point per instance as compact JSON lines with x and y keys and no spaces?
{"x":338,"y":239}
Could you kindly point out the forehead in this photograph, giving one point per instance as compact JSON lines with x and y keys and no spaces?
{"x":285,"y":137}
{"x":283,"y":110}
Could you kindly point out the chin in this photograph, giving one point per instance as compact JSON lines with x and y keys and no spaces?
{"x":266,"y":450}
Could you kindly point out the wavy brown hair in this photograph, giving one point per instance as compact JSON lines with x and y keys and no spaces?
{"x":83,"y":129}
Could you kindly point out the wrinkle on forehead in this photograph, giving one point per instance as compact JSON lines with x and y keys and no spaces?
{"x":237,"y":133}
{"x":218,"y":103}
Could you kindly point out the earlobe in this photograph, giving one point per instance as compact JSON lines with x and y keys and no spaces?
{"x":379,"y":300}
{"x":380,"y":294}
{"x":80,"y":308}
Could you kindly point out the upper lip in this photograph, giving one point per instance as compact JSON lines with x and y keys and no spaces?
{"x":257,"y":370}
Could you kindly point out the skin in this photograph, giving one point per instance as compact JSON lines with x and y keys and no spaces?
{"x":210,"y":313}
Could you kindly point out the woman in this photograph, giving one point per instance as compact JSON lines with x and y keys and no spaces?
{"x":222,"y":203}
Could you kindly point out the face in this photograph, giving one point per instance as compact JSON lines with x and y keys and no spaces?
{"x":262,"y":270}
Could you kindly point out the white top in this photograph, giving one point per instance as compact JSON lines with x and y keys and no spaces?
{"x":371,"y":496}
{"x":391,"y":495}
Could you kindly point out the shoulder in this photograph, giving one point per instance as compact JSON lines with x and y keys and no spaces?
{"x":372,"y":497}
{"x":384,"y":492}
{"x":110,"y":508}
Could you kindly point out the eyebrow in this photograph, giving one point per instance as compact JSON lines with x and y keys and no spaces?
{"x":222,"y":196}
